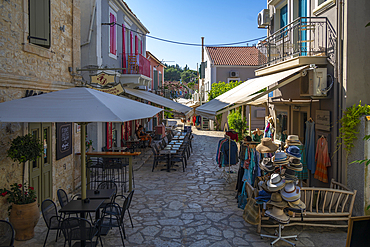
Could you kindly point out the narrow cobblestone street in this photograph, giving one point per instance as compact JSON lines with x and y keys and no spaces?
{"x":193,"y":208}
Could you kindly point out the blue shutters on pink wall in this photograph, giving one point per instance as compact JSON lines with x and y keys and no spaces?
{"x":136,"y":45}
{"x":112,"y":35}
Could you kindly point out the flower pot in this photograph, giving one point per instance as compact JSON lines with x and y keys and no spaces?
{"x":24,"y":218}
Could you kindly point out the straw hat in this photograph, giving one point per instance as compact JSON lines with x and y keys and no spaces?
{"x":289,"y":175}
{"x":267,"y":165}
{"x":293,"y":140}
{"x":297,"y":205}
{"x":280,"y":158}
{"x":278,"y":215}
{"x":266,"y":146}
{"x":295,"y":164}
{"x":277,"y":201}
{"x":249,"y":140}
{"x":291,"y":192}
{"x":293,"y":151}
{"x":265,"y":187}
{"x":275,"y":183}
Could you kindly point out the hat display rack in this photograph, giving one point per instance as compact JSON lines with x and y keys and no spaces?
{"x":282,"y":183}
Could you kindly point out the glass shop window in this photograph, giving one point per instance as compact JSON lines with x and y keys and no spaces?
{"x":282,"y":126}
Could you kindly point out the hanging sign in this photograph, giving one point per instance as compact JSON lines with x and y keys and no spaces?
{"x":118,"y":89}
{"x":103,"y":79}
{"x":64,"y":139}
{"x":323,"y":120}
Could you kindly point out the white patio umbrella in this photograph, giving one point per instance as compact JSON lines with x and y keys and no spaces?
{"x":80,"y":105}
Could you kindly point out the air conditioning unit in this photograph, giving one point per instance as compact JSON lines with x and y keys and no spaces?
{"x":315,"y":83}
{"x":264,"y":18}
{"x":234,"y":74}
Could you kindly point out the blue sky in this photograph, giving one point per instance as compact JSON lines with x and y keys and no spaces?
{"x":218,"y":21}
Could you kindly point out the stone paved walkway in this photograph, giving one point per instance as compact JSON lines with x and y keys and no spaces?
{"x":193,"y":208}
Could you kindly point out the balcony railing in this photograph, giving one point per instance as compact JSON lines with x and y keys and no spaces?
{"x":135,"y":64}
{"x":306,"y":36}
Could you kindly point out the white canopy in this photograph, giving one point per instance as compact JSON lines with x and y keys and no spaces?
{"x":80,"y":105}
{"x":157,"y":99}
{"x":246,"y":92}
{"x":75,"y":105}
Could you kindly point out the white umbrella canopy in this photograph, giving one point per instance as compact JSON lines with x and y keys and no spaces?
{"x":79,"y":105}
{"x":75,"y":105}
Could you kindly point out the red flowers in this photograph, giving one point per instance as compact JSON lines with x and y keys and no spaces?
{"x":31,"y":188}
{"x":4,"y":193}
{"x":19,"y":185}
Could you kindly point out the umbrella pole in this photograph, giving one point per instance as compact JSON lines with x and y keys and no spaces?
{"x":83,"y":160}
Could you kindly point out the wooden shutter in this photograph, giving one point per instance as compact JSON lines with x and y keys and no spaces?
{"x":141,"y":48}
{"x":130,"y":42}
{"x":112,"y":35}
{"x":39,"y":22}
{"x":155,"y":78}
{"x":136,"y":45}
{"x":123,"y":49}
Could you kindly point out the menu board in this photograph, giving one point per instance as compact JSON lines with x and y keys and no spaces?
{"x":358,"y":231}
{"x":64,"y":139}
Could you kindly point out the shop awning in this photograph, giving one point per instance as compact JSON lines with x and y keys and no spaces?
{"x":246,"y":93}
{"x":159,"y":100}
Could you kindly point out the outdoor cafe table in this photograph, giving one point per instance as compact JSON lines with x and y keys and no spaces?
{"x":82,"y":207}
{"x":102,"y":194}
{"x":117,"y":155}
{"x":168,"y":151}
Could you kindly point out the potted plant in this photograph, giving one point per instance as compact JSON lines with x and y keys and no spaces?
{"x":89,"y":145}
{"x":24,"y":211}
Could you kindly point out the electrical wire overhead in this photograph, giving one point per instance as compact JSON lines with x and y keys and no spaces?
{"x":184,"y":43}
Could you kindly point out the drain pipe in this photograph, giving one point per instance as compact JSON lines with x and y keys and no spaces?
{"x":342,"y":171}
{"x":92,"y":16}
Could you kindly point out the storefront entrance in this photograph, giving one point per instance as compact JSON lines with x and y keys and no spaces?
{"x":40,"y":171}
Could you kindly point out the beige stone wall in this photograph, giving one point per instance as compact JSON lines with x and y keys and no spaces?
{"x":25,"y":66}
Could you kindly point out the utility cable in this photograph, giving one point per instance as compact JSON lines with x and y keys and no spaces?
{"x":183,"y":43}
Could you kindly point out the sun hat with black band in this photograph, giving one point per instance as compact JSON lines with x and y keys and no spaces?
{"x":275,"y":183}
{"x":293,"y":140}
{"x":293,"y":151}
{"x":295,"y":164}
{"x":298,"y":204}
{"x":289,"y":175}
{"x":266,"y":165}
{"x":280,"y":158}
{"x":277,"y":201}
{"x":266,"y":146}
{"x":291,"y":192}
{"x":277,"y":214}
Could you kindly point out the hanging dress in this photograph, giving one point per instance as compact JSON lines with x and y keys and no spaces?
{"x":310,"y":146}
{"x":322,"y":160}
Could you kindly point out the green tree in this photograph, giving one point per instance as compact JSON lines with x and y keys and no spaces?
{"x":236,"y":123}
{"x":221,"y":88}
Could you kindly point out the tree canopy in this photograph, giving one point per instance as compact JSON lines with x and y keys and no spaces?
{"x":221,"y":88}
{"x":175,"y":73}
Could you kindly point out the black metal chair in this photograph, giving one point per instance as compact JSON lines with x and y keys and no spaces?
{"x":129,"y":199}
{"x":51,"y":217}
{"x":108,"y":185}
{"x":180,"y":158}
{"x":75,"y":228}
{"x":6,"y":233}
{"x":157,"y":157}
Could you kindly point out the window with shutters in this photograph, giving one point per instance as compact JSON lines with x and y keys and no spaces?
{"x":155,"y":79}
{"x":112,"y":34}
{"x":39,"y":22}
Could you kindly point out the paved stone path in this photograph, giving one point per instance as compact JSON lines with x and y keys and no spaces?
{"x":193,"y":208}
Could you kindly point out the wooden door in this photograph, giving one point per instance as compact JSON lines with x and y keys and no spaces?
{"x":40,"y":175}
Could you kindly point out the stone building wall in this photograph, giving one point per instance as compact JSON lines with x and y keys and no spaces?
{"x":24,"y":66}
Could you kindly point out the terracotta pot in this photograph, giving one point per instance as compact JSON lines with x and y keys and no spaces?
{"x":24,"y":218}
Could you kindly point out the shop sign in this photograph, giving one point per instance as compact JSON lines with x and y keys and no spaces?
{"x":323,"y":120}
{"x":64,"y":139}
{"x":118,"y":89}
{"x":103,"y":79}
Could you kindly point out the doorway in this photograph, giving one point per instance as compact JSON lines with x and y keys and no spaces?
{"x":300,"y":116}
{"x":40,"y":171}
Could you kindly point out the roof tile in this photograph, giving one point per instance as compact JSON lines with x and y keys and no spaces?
{"x":235,"y":55}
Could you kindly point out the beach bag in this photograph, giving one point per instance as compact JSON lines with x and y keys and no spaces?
{"x":242,"y":198}
{"x":251,"y":213}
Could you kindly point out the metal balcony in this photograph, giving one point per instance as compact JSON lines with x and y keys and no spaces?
{"x":135,"y":64}
{"x":306,"y":36}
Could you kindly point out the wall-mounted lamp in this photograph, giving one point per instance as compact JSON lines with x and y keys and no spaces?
{"x":62,"y":28}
